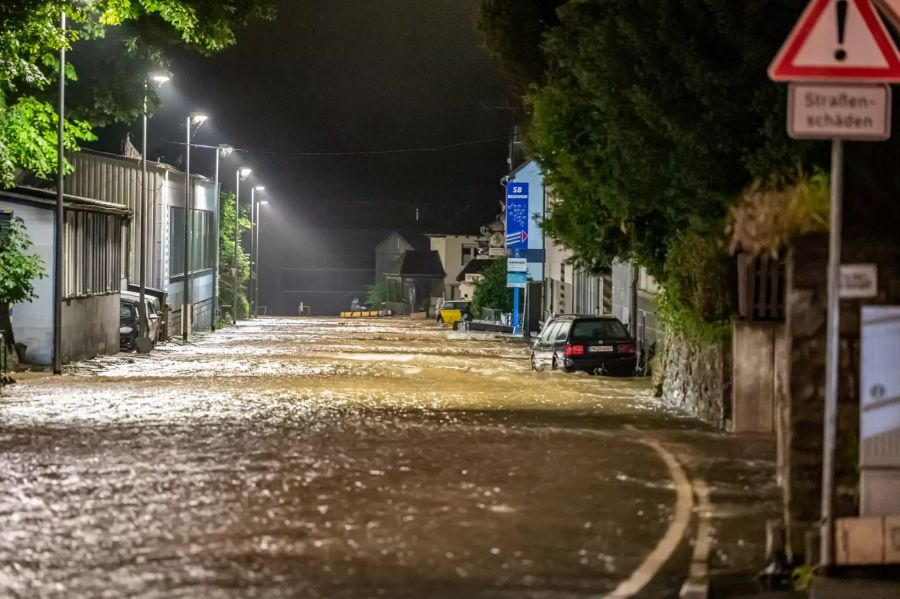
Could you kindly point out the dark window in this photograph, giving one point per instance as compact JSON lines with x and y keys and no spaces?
{"x":127,"y":313}
{"x":599,"y":329}
{"x":563,"y":331}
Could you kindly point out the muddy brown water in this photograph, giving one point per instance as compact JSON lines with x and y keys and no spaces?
{"x":327,"y":458}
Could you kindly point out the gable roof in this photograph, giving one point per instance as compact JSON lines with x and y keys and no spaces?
{"x":472,"y":267}
{"x":417,"y":263}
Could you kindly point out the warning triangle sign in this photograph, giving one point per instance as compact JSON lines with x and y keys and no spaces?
{"x":837,"y":40}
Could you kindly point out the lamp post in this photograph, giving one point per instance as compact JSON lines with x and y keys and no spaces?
{"x":160,"y":80}
{"x":241,"y":174}
{"x":193,"y":119}
{"x":258,"y":225}
{"x":60,"y":193}
{"x":222,"y":151}
{"x":254,"y":217}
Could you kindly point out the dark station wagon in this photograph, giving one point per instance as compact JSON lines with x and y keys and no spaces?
{"x":593,"y":344}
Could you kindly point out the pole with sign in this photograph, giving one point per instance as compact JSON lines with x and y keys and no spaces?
{"x":837,"y":58}
{"x":516,"y":242}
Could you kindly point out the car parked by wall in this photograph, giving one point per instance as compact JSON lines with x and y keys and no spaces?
{"x":593,"y":344}
{"x":128,"y":319}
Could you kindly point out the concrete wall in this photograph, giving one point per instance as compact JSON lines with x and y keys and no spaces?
{"x":32,"y":321}
{"x":90,"y":327}
{"x":758,"y":374}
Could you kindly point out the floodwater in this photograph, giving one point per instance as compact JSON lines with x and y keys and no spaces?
{"x":328,"y":458}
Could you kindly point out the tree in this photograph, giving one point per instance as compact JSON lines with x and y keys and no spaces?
{"x":491,"y":291}
{"x":227,"y":224}
{"x":30,"y":40}
{"x":18,"y":271}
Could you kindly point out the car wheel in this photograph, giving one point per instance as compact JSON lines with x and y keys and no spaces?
{"x":553,"y":365}
{"x":533,"y":363}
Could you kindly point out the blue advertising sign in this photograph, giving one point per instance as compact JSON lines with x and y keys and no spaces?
{"x":516,"y":216}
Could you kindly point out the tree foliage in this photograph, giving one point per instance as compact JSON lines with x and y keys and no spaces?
{"x":227,"y":224}
{"x":119,"y":42}
{"x":491,"y":291}
{"x":18,"y":271}
{"x":655,"y":117}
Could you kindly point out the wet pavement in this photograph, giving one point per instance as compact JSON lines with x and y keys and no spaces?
{"x":327,"y":458}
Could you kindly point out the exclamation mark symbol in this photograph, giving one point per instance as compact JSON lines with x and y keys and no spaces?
{"x":840,"y":54}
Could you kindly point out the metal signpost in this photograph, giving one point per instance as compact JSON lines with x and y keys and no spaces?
{"x":836,"y":42}
{"x":516,"y":239}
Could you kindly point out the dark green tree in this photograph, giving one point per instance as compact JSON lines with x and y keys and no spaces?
{"x":491,"y":291}
{"x":18,"y":271}
{"x":142,"y":30}
{"x":227,"y":224}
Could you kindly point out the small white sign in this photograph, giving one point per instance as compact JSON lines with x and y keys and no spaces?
{"x":496,"y":252}
{"x":859,"y":281}
{"x":823,"y":111}
{"x":516,"y":265}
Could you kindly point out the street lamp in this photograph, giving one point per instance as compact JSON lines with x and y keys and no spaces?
{"x":254,"y":236}
{"x":258,"y":223}
{"x":159,"y":79}
{"x":241,"y":174}
{"x":222,"y":151}
{"x":58,"y":253}
{"x":195,"y":119}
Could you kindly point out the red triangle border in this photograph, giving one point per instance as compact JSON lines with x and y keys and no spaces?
{"x":783,"y":69}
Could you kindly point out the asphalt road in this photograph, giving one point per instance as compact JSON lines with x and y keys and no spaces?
{"x":327,"y":458}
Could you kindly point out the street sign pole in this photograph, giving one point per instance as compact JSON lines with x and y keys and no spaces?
{"x":832,"y":358}
{"x":516,"y":311}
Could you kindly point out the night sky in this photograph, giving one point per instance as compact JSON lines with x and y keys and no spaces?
{"x":348,"y":76}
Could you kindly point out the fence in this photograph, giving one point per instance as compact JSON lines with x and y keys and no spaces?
{"x":760,"y":287}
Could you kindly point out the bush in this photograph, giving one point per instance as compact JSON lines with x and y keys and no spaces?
{"x":491,"y":291}
{"x":698,"y":299}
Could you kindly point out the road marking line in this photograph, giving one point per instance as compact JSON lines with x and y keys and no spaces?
{"x":697,"y":584}
{"x":667,"y":545}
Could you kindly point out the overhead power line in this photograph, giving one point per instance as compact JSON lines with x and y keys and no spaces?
{"x":410,"y":150}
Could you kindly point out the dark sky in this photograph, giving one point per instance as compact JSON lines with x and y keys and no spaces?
{"x":348,"y":76}
{"x":355,"y":75}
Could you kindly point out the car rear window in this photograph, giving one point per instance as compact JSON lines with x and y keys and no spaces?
{"x":599,"y":329}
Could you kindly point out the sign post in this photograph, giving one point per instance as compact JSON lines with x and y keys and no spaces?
{"x":516,"y":240}
{"x":834,"y":43}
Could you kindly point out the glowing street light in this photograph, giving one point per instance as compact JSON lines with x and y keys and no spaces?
{"x":159,"y":79}
{"x":222,"y":151}
{"x":241,"y":175}
{"x":195,"y":119}
{"x":258,"y":229}
{"x":254,"y":237}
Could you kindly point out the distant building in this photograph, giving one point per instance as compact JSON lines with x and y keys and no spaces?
{"x":456,"y":252}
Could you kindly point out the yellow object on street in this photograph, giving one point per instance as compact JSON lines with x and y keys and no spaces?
{"x":453,"y":311}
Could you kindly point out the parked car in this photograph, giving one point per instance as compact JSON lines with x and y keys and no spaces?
{"x":587,"y":343}
{"x":453,"y":311}
{"x":128,"y":319}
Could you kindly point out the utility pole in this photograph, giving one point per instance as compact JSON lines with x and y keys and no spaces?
{"x":60,"y":194}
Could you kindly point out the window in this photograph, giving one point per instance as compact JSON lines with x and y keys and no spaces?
{"x":202,"y":250}
{"x":549,"y":331}
{"x":469,"y":251}
{"x":563,"y":331}
{"x":93,"y":253}
{"x":599,"y":329}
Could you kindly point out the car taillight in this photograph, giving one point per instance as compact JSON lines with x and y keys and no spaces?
{"x":626,"y":348}
{"x":574,"y":350}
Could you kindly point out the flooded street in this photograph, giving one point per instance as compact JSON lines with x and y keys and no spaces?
{"x":328,"y":458}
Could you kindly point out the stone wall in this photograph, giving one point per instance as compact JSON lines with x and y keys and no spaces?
{"x":695,"y":378}
{"x":800,"y":440}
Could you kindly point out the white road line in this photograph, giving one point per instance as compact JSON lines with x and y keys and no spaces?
{"x":667,"y":545}
{"x":697,"y":584}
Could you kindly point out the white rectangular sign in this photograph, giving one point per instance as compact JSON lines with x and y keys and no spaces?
{"x":859,"y":280}
{"x":834,"y":111}
{"x":516,"y":265}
